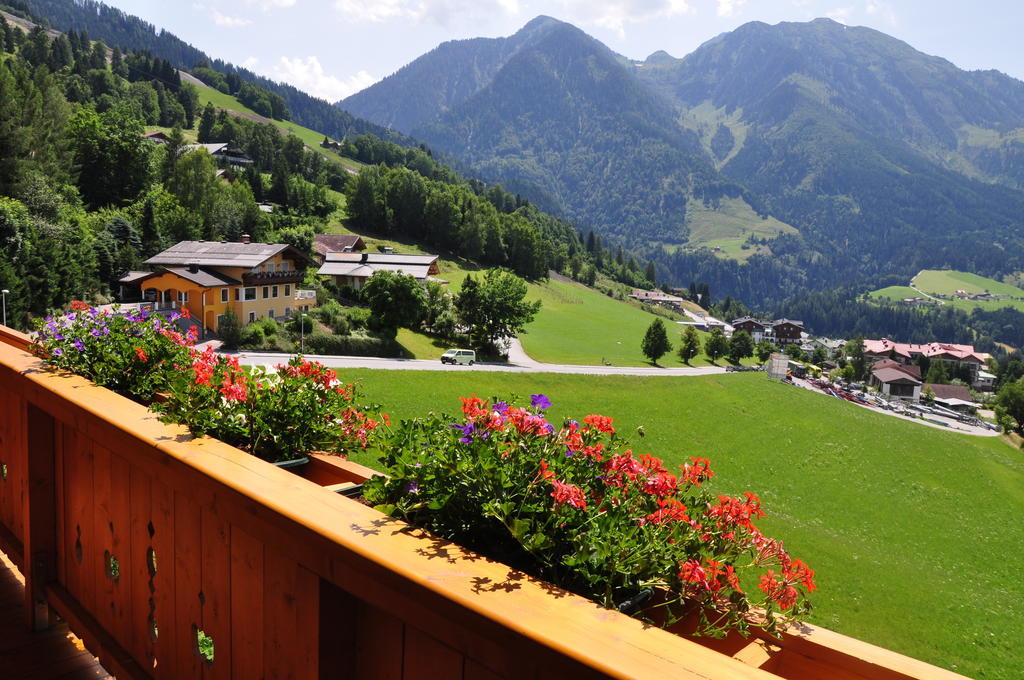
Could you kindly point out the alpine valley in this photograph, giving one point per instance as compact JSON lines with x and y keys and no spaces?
{"x":771,"y":161}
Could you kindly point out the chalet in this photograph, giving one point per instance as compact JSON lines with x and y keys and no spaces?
{"x":336,"y":243}
{"x":787,"y":331}
{"x":157,"y":137}
{"x":656,"y":297}
{"x":757,"y":329}
{"x":353,"y":269}
{"x":895,"y":380}
{"x":208,"y":278}
{"x":954,"y":356}
{"x":222,"y":152}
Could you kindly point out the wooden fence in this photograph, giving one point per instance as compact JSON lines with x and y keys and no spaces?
{"x":181,"y":558}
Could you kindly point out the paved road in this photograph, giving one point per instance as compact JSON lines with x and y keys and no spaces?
{"x":518,"y":362}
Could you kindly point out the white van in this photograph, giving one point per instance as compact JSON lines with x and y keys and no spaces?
{"x":459,"y":356}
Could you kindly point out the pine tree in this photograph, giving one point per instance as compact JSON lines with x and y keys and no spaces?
{"x":655,"y":343}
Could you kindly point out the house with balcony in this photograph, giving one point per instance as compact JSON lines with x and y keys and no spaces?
{"x":353,"y":269}
{"x":786,"y":332}
{"x":955,"y":357}
{"x":255,"y":280}
{"x":756,"y":328}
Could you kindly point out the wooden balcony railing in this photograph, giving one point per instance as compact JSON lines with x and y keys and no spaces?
{"x":147,"y":542}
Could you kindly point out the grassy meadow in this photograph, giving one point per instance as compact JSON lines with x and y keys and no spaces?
{"x":309,"y":137}
{"x":914,"y":532}
{"x":946,"y":282}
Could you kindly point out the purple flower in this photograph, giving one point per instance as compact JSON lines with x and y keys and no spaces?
{"x":550,"y":428}
{"x":70,"y":316}
{"x":540,"y":401}
{"x":467,"y":430}
{"x":57,"y":352}
{"x":500,"y":407}
{"x":79,"y":345}
{"x":412,"y":487}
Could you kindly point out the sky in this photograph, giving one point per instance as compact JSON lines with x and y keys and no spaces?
{"x":334,"y":48}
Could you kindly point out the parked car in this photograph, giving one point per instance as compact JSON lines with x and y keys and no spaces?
{"x":459,"y":356}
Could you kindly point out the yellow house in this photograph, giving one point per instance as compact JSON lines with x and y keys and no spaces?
{"x":208,"y":278}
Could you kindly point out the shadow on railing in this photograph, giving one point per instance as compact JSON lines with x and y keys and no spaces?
{"x":174,"y":557}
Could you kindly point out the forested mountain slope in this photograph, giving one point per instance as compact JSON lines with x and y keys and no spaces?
{"x":886,"y":160}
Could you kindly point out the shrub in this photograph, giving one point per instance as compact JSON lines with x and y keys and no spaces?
{"x":230,"y":330}
{"x":575,"y":506}
{"x":352,"y":346}
{"x":131,"y":353}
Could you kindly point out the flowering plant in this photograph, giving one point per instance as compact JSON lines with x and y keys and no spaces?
{"x":281,"y":415}
{"x":573,"y":505}
{"x":129,"y":352}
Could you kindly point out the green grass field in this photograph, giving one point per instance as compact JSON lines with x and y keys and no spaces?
{"x":729,"y":226}
{"x":914,"y":532}
{"x":310,"y":138}
{"x":894,"y":293}
{"x":946,"y":282}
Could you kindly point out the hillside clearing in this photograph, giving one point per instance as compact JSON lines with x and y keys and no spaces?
{"x":907,"y":527}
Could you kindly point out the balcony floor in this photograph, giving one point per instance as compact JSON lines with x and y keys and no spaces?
{"x":47,"y":655}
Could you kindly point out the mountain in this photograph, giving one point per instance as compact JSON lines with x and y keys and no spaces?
{"x":874,"y":158}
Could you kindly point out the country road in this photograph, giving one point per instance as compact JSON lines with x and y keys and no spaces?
{"x":518,"y":362}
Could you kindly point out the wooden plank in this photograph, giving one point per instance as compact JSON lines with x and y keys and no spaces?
{"x":41,"y":523}
{"x":164,"y":627}
{"x":246,"y":605}
{"x":188,"y":585}
{"x":60,"y":511}
{"x":475,"y":671}
{"x":427,"y":659}
{"x":141,"y":601}
{"x":339,"y":627}
{"x":103,"y":533}
{"x":291,"y":599}
{"x":8,"y":495}
{"x":380,"y":643}
{"x":216,"y":588}
{"x":121,"y":552}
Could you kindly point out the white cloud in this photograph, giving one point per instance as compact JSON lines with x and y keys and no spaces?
{"x":728,"y":8}
{"x":442,"y":12}
{"x":267,"y":5}
{"x":882,"y":9}
{"x":614,"y":15}
{"x":250,"y":63}
{"x":840,"y":14}
{"x":224,"y":20}
{"x":309,"y":75}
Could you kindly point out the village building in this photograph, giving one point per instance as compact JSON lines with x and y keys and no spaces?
{"x":336,"y":243}
{"x":956,"y":397}
{"x":786,"y":332}
{"x":955,"y":357}
{"x":894,"y":379}
{"x":757,"y":329}
{"x":208,"y":278}
{"x":656,"y":297}
{"x":353,"y":269}
{"x":222,"y":152}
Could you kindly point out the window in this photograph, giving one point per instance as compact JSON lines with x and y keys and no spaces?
{"x":250,"y":293}
{"x":266,"y":292}
{"x":252,"y":316}
{"x":287,"y":311}
{"x":284,"y":266}
{"x":287,"y":290}
{"x":183,"y":296}
{"x":274,"y":291}
{"x":270,"y":313}
{"x":223,"y":294}
{"x":220,"y":318}
{"x":270,"y":267}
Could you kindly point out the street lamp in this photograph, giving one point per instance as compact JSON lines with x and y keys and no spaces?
{"x":5,"y":292}
{"x":302,"y":333}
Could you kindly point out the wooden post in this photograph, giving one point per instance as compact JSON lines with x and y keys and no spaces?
{"x":40,"y":517}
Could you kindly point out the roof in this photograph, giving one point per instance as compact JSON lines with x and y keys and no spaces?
{"x":381,"y":258}
{"x":892,"y":375}
{"x":932,"y":349}
{"x":337,"y":243}
{"x":133,"y":276}
{"x":748,"y":319}
{"x":223,"y":254}
{"x":913,"y":370}
{"x":779,"y":322}
{"x":653,"y":296}
{"x":207,"y":278}
{"x":361,"y":270}
{"x":950,"y":391}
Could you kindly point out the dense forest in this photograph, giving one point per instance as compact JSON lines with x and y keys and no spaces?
{"x":84,"y":197}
